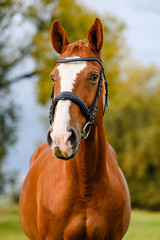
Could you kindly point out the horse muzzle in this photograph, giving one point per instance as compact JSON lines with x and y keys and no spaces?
{"x":63,"y":144}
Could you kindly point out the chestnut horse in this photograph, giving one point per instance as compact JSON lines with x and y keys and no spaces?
{"x":87,"y":196}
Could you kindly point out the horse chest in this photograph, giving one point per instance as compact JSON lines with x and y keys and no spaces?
{"x":79,"y":220}
{"x":85,"y":227}
{"x":78,"y":226}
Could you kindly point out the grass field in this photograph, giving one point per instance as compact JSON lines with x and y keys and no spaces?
{"x":10,"y":228}
{"x":144,"y":225}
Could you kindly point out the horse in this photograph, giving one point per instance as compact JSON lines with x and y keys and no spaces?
{"x":75,"y":189}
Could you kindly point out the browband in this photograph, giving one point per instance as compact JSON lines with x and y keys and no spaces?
{"x":88,"y":59}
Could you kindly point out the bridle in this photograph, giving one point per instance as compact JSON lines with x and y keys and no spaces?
{"x":89,"y":113}
{"x":90,"y":117}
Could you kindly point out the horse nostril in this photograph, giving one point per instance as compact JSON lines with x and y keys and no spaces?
{"x":49,"y":139}
{"x":73,"y":137}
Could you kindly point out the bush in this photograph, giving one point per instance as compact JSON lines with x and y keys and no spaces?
{"x":15,"y":197}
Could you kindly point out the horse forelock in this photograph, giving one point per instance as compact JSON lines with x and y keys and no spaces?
{"x":79,"y":48}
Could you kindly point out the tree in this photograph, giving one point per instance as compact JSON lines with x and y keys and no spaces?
{"x":7,"y":109}
{"x":132,"y":126}
{"x":14,"y":48}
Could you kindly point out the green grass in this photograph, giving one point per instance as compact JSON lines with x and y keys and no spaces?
{"x":144,"y":225}
{"x":10,"y":228}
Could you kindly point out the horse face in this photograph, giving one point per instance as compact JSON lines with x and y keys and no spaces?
{"x":80,"y":78}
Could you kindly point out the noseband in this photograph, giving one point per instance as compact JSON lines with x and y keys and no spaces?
{"x":90,"y":112}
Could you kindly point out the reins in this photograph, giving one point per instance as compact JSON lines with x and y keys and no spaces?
{"x":89,"y":113}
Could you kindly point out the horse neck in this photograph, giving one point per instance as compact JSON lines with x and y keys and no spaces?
{"x":93,"y":150}
{"x":90,"y":161}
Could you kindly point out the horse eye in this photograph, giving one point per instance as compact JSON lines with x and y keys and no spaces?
{"x":53,"y":79}
{"x":94,"y":77}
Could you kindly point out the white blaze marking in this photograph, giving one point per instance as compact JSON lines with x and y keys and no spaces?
{"x":68,"y":73}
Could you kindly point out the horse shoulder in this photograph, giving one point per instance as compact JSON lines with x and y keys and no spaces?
{"x":28,"y":203}
{"x":41,"y":151}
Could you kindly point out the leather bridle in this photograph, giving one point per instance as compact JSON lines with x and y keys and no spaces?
{"x":90,"y":112}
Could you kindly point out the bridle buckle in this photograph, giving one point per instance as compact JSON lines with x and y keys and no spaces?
{"x":86,"y":130}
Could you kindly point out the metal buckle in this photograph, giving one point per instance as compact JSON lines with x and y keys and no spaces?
{"x":85,"y":131}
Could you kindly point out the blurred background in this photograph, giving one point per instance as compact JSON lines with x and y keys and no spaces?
{"x":131,"y":58}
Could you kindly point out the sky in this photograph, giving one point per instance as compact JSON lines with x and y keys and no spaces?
{"x":142,"y":18}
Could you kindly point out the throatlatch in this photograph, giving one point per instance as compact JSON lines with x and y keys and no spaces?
{"x":90,"y":117}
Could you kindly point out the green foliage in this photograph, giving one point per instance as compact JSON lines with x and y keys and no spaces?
{"x":132,"y":126}
{"x":7,"y":135}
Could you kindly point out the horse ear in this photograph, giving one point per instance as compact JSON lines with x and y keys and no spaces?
{"x":95,"y":35}
{"x":58,"y":37}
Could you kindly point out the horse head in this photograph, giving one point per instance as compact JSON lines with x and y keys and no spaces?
{"x":77,"y":80}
